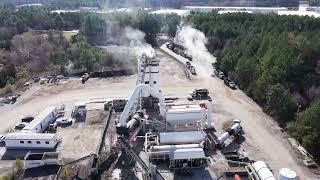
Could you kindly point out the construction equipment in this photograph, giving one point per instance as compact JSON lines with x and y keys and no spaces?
{"x":236,"y":156}
{"x":117,"y":104}
{"x":150,"y":172}
{"x":199,"y":94}
{"x":133,"y":101}
{"x":234,"y":130}
{"x":79,"y":110}
{"x":85,"y":77}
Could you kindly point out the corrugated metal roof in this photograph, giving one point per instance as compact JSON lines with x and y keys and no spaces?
{"x":39,"y":118}
{"x":29,"y":136}
{"x":190,"y":153}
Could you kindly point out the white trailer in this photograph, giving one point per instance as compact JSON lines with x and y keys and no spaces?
{"x":32,"y":160}
{"x":31,"y":141}
{"x":41,"y":122}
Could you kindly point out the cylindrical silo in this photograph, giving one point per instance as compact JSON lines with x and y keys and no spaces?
{"x":187,"y":137}
{"x":263,"y":171}
{"x":172,"y":147}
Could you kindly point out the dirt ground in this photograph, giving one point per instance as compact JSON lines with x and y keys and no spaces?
{"x":263,"y":139}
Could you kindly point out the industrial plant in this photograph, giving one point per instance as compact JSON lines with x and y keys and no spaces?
{"x":156,"y":133}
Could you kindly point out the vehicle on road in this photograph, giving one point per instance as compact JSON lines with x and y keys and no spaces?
{"x":2,"y":137}
{"x":229,"y":83}
{"x":36,"y":79}
{"x":64,"y":121}
{"x":310,"y":163}
{"x":192,"y":70}
{"x":219,"y":73}
{"x":199,"y":94}
{"x":43,"y":80}
{"x":170,"y":46}
{"x":27,"y":119}
{"x":189,"y":57}
{"x":20,"y":126}
{"x":188,"y":63}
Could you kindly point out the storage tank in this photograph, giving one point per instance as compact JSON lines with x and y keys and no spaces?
{"x":287,"y":174}
{"x":223,"y":138}
{"x":171,"y":147}
{"x":263,"y":171}
{"x":187,"y":137}
{"x":183,"y":115}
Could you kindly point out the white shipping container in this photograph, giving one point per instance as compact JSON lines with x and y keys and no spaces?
{"x":187,"y":137}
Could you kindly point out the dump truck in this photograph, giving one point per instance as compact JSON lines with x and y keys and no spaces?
{"x":85,"y":78}
{"x":199,"y":94}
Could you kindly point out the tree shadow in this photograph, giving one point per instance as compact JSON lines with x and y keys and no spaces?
{"x":41,"y":171}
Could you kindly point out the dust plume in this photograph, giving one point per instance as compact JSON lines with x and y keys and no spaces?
{"x":195,"y":43}
{"x":137,"y":42}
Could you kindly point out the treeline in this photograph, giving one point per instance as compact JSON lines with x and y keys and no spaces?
{"x":61,"y":4}
{"x":32,"y":41}
{"x":282,"y":3}
{"x":259,"y":3}
{"x":96,"y":27}
{"x":106,"y":28}
{"x":314,"y":2}
{"x":32,"y":54}
{"x":276,"y":61}
{"x":37,"y":18}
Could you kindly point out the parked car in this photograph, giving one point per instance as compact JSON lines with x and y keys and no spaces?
{"x":229,"y":83}
{"x":43,"y":80}
{"x":27,"y":119}
{"x":189,"y":57}
{"x":188,"y":63}
{"x":36,"y":79}
{"x":192,"y":70}
{"x":219,"y":73}
{"x":64,"y":121}
{"x":169,"y":46}
{"x":310,"y":163}
{"x":20,"y":126}
{"x":2,"y":137}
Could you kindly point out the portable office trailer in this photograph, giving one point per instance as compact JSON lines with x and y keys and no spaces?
{"x":42,"y":121}
{"x":31,"y":141}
